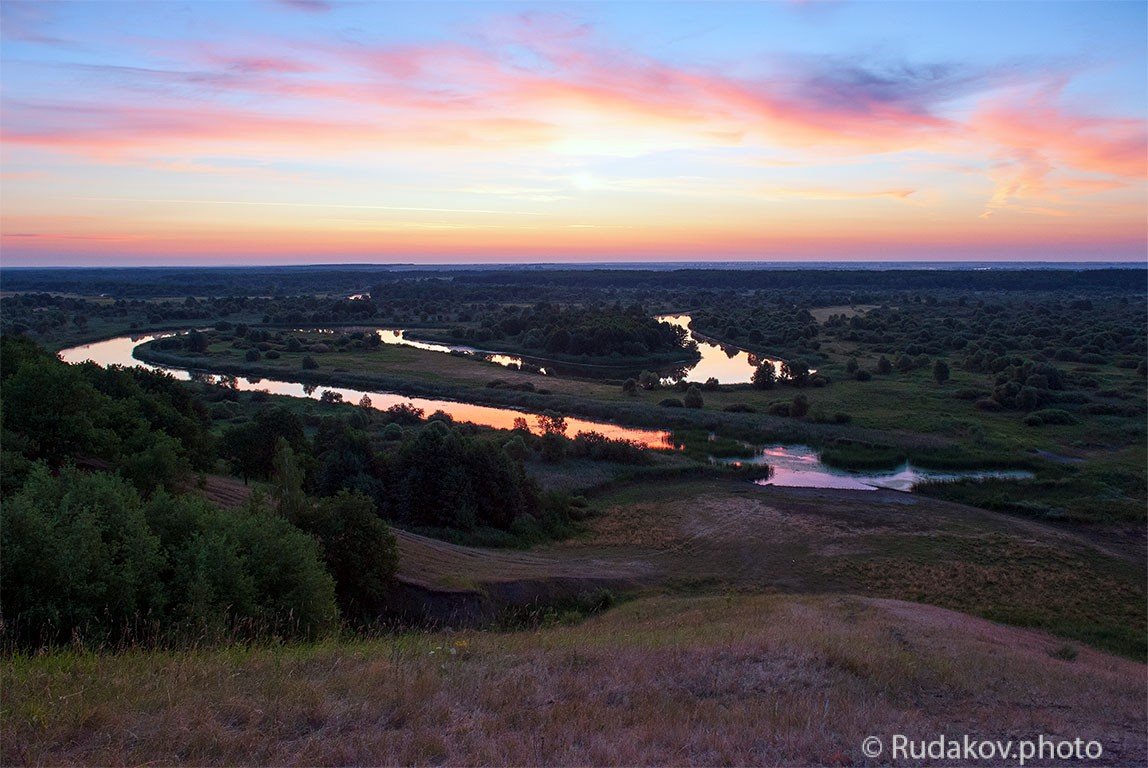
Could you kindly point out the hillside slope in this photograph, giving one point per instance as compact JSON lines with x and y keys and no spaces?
{"x":729,"y":680}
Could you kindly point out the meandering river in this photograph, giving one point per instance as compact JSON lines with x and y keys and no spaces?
{"x":729,"y":365}
{"x":791,"y":465}
{"x":119,"y":351}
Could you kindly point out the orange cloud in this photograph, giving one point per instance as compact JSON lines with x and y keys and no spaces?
{"x":1040,"y":138}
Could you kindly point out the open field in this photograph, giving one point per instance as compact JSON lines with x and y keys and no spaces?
{"x":713,"y":537}
{"x":722,"y":536}
{"x":740,"y":680}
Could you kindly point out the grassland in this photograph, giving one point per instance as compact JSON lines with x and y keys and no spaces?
{"x":665,"y":680}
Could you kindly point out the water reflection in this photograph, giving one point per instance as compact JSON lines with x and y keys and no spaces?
{"x":399,"y":338}
{"x":729,"y":365}
{"x":799,"y":466}
{"x":119,"y":351}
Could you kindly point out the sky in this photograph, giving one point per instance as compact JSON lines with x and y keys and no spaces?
{"x":319,"y":131}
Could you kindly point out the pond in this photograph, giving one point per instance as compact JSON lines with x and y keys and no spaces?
{"x":119,"y":351}
{"x":799,"y":466}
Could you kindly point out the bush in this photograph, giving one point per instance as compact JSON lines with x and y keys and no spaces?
{"x":799,"y":407}
{"x":630,"y":387}
{"x":739,"y":408}
{"x":78,"y":558}
{"x":862,"y":375}
{"x":671,"y":402}
{"x":309,"y":363}
{"x":1053,"y":416}
{"x":693,"y":397}
{"x":84,"y":558}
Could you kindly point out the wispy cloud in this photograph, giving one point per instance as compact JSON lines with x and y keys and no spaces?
{"x":275,"y":204}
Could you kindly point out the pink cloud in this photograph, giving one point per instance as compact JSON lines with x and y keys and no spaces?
{"x":1040,"y":140}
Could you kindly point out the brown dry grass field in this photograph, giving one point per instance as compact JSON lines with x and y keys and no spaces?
{"x":735,"y":680}
{"x":718,"y":536}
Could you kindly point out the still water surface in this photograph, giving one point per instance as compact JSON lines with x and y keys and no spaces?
{"x":729,"y":365}
{"x":118,"y":351}
{"x":800,"y":466}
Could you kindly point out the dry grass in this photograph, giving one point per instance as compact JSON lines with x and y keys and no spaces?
{"x":744,"y":680}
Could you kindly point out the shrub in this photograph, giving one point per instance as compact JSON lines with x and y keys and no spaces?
{"x":649,"y":380}
{"x":78,"y":557}
{"x":515,"y":447}
{"x":862,"y":375}
{"x":799,"y":407}
{"x":693,"y":397}
{"x":671,"y":402}
{"x":1054,"y":416}
{"x":84,"y":558}
{"x":739,"y":408}
{"x":553,"y":447}
{"x":630,"y":387}
{"x":309,"y":363}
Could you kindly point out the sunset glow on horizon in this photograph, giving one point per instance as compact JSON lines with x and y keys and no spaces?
{"x":307,"y":131}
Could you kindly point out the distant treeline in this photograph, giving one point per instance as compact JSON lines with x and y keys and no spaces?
{"x":276,"y":281}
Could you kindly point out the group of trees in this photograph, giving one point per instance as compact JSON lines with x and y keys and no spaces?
{"x":124,"y":550}
{"x":576,"y":331}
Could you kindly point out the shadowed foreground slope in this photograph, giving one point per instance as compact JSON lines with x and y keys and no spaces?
{"x":738,"y":680}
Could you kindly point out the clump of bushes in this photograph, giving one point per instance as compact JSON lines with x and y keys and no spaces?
{"x":87,"y":559}
{"x":1049,"y":416}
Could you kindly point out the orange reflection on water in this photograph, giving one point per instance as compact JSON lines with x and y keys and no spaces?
{"x":119,"y":351}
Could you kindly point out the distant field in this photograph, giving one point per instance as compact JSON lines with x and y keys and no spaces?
{"x":821,"y":314}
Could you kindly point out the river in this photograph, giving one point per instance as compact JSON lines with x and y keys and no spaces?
{"x":791,"y":465}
